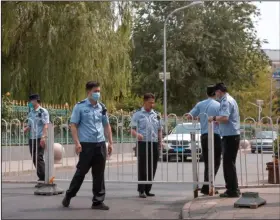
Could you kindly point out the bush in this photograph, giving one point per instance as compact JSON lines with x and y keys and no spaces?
{"x":7,"y":107}
{"x":276,"y":146}
{"x":129,"y":104}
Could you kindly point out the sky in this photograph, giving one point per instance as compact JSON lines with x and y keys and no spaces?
{"x":268,"y":26}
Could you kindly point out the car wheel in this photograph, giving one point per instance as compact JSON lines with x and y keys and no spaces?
{"x":259,"y":151}
{"x":201,"y":159}
{"x":253,"y":151}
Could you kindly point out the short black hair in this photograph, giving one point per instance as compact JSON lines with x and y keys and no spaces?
{"x":148,"y":96}
{"x":35,"y":97}
{"x":211,"y":90}
{"x":221,"y":86}
{"x":92,"y":84}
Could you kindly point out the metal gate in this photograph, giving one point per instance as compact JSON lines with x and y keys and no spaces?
{"x":180,"y":158}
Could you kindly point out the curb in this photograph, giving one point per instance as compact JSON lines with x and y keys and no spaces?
{"x":185,"y":211}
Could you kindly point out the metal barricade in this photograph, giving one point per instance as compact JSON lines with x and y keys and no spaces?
{"x":20,"y":154}
{"x":254,"y":154}
{"x":121,"y":167}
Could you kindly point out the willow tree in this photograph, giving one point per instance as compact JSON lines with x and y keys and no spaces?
{"x":53,"y":48}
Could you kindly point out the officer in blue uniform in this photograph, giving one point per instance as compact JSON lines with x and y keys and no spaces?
{"x":211,"y":107}
{"x":89,"y":122}
{"x":38,"y":119}
{"x":229,"y":123}
{"x":146,"y":127}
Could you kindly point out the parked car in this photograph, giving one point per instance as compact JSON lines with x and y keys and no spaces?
{"x":178,"y":142}
{"x":263,"y":141}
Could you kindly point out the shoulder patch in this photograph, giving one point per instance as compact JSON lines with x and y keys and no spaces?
{"x":224,"y":106}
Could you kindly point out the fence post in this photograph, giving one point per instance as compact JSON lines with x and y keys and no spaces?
{"x":194,"y":165}
{"x":211,"y":168}
{"x":49,"y":187}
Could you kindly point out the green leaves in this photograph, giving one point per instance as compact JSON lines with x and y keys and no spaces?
{"x":55,"y":48}
{"x":205,"y":44}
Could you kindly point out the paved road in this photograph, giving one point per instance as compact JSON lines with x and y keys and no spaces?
{"x":122,"y":199}
{"x":169,"y":172}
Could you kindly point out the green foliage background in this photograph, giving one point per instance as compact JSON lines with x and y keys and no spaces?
{"x":54,"y":48}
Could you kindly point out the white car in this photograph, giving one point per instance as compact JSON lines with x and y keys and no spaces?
{"x":263,"y":141}
{"x":178,"y":142}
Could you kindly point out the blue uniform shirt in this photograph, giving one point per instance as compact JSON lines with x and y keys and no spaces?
{"x":90,"y":121}
{"x":36,"y":122}
{"x":211,"y":108}
{"x":229,"y":108}
{"x":147,"y":124}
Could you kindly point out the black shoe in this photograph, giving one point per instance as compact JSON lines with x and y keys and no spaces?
{"x":66,"y":201}
{"x":39,"y":185}
{"x":100,"y":206}
{"x":142,"y":195}
{"x":150,"y":194}
{"x":230,"y":195}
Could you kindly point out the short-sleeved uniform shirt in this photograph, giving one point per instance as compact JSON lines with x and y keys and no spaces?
{"x":147,"y":124}
{"x":209,"y":106}
{"x":37,"y":119}
{"x":90,"y":120}
{"x":229,"y":108}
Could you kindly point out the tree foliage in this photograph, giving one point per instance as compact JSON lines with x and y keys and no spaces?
{"x":53,"y":48}
{"x":215,"y":42}
{"x":262,"y":90}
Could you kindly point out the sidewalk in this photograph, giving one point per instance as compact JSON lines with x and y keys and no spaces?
{"x":26,"y":165}
{"x":207,"y":207}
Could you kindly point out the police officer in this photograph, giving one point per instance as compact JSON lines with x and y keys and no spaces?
{"x":211,"y":107}
{"x":229,"y":123}
{"x":38,"y":119}
{"x":89,"y":122}
{"x":146,"y":127}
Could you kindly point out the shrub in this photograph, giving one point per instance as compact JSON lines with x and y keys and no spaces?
{"x":7,"y":107}
{"x":276,"y":144}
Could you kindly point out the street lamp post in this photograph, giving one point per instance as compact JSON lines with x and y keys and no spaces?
{"x":259,"y":104}
{"x":164,"y":58}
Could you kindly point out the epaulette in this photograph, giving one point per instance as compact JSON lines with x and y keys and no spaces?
{"x":104,"y":109}
{"x":81,"y":102}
